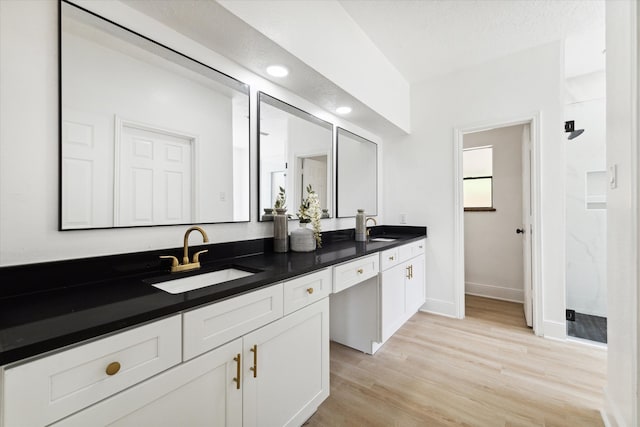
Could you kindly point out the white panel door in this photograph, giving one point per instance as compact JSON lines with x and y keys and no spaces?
{"x":393,"y":300}
{"x":155,"y":178}
{"x":291,"y":368}
{"x":414,"y":286}
{"x":314,"y":173}
{"x":526,"y":224}
{"x":87,"y":149}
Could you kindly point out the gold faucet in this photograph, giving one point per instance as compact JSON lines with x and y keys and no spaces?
{"x":186,"y":265}
{"x":367,"y":221}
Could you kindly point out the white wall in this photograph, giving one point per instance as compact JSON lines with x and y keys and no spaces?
{"x":586,"y":232}
{"x":29,"y":124}
{"x":420,"y":167}
{"x":493,"y":259}
{"x":621,"y":392}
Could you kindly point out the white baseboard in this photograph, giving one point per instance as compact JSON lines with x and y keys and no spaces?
{"x":605,"y":419}
{"x":554,"y":330}
{"x":611,"y":414}
{"x":441,"y":307}
{"x":495,"y":292}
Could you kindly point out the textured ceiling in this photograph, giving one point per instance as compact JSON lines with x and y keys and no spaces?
{"x":424,"y":38}
{"x":213,"y":26}
{"x":421,"y":38}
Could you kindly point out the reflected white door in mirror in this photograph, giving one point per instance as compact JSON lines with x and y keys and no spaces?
{"x":148,"y":136}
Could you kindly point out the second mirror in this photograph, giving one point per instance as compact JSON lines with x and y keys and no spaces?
{"x":295,"y":151}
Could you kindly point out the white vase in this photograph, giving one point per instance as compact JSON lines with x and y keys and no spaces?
{"x":302,"y":239}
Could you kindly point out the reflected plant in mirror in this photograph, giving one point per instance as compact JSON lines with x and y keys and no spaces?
{"x":295,"y":151}
{"x":357,"y":174}
{"x":310,"y":212}
{"x":148,"y":136}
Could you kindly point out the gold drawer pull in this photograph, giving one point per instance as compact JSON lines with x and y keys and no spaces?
{"x":310,"y":291}
{"x":391,"y":258}
{"x":254,"y":368}
{"x":360,"y":271}
{"x":113,"y":368}
{"x":238,"y":369}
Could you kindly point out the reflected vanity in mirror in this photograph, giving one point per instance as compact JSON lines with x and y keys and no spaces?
{"x":357,"y":175}
{"x":296,"y":150}
{"x":148,"y":136}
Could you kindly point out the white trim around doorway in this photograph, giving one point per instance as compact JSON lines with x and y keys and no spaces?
{"x":533,"y":120}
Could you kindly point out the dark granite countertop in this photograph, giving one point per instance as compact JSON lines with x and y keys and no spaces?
{"x":47,"y":306}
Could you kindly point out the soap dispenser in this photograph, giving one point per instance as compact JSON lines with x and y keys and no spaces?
{"x":361,"y":228}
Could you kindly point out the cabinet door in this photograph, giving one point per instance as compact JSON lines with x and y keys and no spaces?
{"x":393,"y":300}
{"x":414,"y":286}
{"x":286,"y":374}
{"x":201,"y":392}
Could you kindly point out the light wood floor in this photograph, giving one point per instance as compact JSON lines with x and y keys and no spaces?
{"x":486,"y":370}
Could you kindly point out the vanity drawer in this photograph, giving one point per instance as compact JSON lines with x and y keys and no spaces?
{"x":411,"y":250}
{"x":389,"y":258}
{"x":209,"y":327}
{"x":353,"y":272}
{"x":47,"y":389}
{"x":304,"y":290}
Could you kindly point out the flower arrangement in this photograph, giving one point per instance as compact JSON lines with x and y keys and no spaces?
{"x":281,"y":200}
{"x":310,"y":212}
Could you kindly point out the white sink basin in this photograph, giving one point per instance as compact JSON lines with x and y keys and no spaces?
{"x":382,"y":239}
{"x":184,"y":284}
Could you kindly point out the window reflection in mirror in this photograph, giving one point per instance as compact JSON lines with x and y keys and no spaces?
{"x":357,"y":174}
{"x":148,"y":135}
{"x":295,"y":151}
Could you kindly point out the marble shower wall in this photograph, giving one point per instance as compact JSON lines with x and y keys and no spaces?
{"x":586,"y":214}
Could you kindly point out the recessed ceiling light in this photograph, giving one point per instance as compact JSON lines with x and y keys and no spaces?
{"x":343,"y":110}
{"x":277,"y":71}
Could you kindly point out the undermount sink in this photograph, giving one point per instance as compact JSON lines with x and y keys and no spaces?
{"x":184,"y":284}
{"x":382,"y":239}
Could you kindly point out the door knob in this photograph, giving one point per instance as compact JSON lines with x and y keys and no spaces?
{"x":520,"y":230}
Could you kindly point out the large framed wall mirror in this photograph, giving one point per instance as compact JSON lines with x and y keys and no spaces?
{"x":357,"y":174}
{"x":296,"y":150}
{"x":148,"y":136}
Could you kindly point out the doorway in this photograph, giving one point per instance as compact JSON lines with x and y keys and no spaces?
{"x":508,"y":279}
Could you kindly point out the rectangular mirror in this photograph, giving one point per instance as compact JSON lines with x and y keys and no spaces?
{"x":296,"y":150}
{"x":148,"y":136}
{"x":357,"y":177}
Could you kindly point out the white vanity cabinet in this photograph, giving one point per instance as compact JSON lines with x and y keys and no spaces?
{"x":237,"y":362}
{"x":42,"y":391}
{"x":200,"y":392}
{"x":402,"y":285}
{"x":365,"y":314}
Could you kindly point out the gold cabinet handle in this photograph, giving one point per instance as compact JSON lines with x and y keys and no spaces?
{"x":309,"y":291}
{"x":391,"y":258}
{"x":238,"y":369}
{"x":360,"y":271}
{"x":112,"y":368}
{"x":254,"y":368}
{"x":411,"y":271}
{"x":408,"y":272}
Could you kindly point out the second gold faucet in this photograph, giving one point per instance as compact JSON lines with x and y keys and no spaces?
{"x":186,"y":265}
{"x":367,"y":221}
